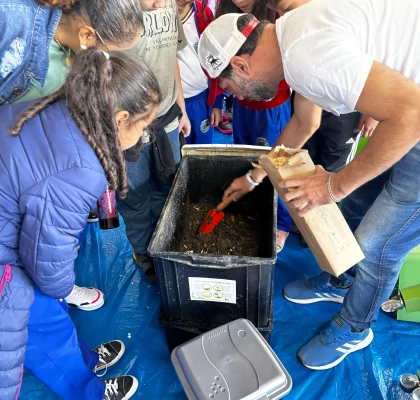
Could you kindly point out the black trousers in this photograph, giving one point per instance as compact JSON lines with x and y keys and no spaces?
{"x":335,"y":143}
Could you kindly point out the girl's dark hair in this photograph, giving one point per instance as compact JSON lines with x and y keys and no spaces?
{"x":116,"y":21}
{"x":204,"y":4}
{"x":95,"y":89}
{"x":260,"y":10}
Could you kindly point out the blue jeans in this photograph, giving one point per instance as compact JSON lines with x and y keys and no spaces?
{"x":262,"y":128}
{"x":56,"y":356}
{"x":388,"y":232}
{"x":143,"y":205}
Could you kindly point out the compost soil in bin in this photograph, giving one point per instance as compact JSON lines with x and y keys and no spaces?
{"x":237,"y":234}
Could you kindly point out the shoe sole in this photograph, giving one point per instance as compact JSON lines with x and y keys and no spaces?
{"x":133,"y":389}
{"x":92,"y":220}
{"x":225,"y":132}
{"x":315,"y":300}
{"x":364,"y":343}
{"x":116,"y":359}
{"x":90,"y":307}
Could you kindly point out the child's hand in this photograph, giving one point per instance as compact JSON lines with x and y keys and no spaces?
{"x":216,"y":116}
{"x":185,"y":125}
{"x":368,"y":125}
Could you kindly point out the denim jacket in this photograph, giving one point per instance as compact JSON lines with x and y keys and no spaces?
{"x":26,"y":33}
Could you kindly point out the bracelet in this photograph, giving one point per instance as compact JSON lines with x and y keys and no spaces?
{"x":250,"y":179}
{"x":333,"y":198}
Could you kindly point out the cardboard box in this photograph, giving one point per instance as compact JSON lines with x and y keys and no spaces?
{"x":324,"y":228}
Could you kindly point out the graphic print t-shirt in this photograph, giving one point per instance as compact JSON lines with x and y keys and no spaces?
{"x":162,"y":37}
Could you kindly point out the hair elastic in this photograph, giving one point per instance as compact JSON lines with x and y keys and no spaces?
{"x":106,"y":55}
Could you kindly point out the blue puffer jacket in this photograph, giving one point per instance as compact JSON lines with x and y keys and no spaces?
{"x":49,"y":180}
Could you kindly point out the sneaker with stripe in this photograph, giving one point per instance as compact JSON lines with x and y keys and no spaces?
{"x":85,"y":298}
{"x":335,"y":342}
{"x":313,"y":290}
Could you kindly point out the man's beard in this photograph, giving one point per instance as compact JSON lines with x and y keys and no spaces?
{"x":256,"y":89}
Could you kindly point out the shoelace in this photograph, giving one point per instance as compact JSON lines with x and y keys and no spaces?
{"x":102,"y":351}
{"x":225,"y":119}
{"x":331,"y":336}
{"x":78,"y":292}
{"x":111,"y":389}
{"x":316,"y":283}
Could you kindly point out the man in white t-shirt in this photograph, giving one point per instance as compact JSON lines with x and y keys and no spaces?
{"x":343,"y":56}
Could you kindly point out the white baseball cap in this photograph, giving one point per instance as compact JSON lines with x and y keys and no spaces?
{"x":221,"y":41}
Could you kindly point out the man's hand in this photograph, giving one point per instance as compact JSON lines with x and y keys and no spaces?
{"x":240,"y":186}
{"x":367,"y":126}
{"x":310,"y":192}
{"x":185,"y":125}
{"x":216,"y":116}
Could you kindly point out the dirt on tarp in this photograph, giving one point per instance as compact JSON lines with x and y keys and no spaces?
{"x":237,"y":234}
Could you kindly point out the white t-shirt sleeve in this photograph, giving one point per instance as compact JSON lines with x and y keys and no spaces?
{"x":328,"y":69}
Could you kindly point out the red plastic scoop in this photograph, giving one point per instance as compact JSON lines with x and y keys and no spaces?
{"x":216,"y":215}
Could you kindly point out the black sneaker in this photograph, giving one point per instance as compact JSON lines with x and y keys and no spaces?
{"x":121,"y":388}
{"x":147,"y":266}
{"x":93,"y":216}
{"x":109,"y":354}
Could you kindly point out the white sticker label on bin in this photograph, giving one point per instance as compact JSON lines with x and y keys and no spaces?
{"x":207,"y":289}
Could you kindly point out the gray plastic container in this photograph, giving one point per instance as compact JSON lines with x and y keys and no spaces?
{"x":232,"y":362}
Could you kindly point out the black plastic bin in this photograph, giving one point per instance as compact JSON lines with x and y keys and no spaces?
{"x":180,"y":333}
{"x":177,"y":335}
{"x":200,"y":176}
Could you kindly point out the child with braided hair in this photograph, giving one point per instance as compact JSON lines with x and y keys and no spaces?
{"x":37,"y":46}
{"x":58,"y":157}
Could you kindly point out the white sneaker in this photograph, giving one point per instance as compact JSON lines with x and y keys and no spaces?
{"x":87,"y":299}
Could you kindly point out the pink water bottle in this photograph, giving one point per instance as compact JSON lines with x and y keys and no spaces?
{"x":107,"y":211}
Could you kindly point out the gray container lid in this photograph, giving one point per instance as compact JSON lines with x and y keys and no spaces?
{"x":232,"y":362}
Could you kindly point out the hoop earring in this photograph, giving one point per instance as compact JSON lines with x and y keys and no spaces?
{"x":83,"y":47}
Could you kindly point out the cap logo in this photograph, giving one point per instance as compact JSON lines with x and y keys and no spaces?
{"x":213,"y":62}
{"x":250,"y":27}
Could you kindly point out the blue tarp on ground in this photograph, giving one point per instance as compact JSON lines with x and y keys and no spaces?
{"x":132,"y":307}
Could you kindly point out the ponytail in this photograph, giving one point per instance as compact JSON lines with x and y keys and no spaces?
{"x":95,"y":89}
{"x":204,"y":4}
